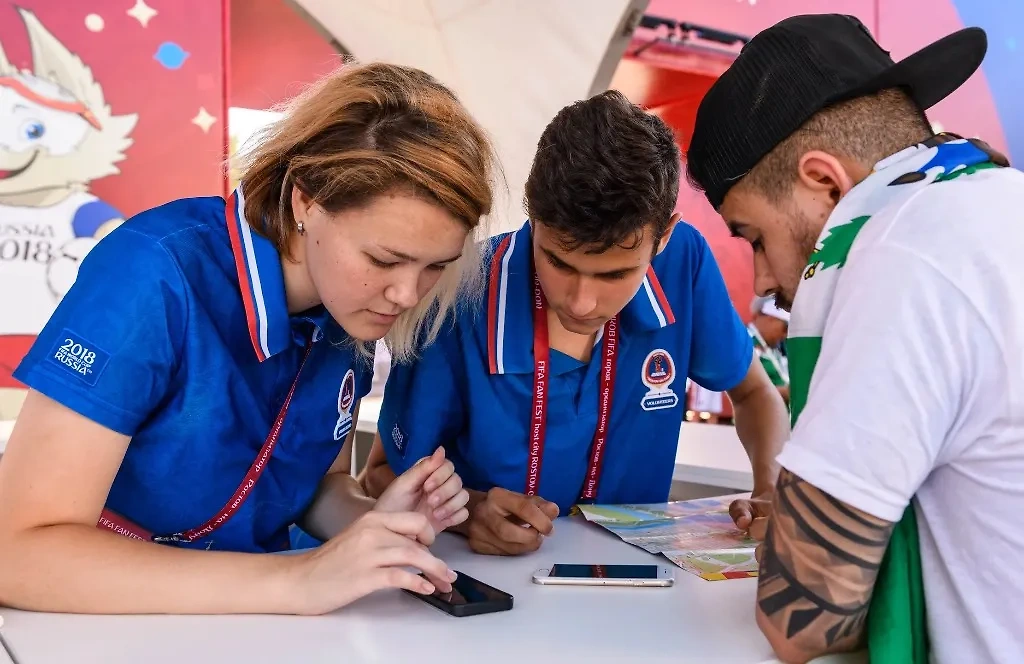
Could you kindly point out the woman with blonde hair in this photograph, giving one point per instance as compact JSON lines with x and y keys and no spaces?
{"x":194,"y":394}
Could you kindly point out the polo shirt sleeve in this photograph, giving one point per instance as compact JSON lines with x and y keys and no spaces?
{"x":720,"y":350}
{"x":111,"y":348}
{"x":423,"y":406}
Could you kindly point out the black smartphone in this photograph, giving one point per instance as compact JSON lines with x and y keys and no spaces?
{"x":468,"y":597}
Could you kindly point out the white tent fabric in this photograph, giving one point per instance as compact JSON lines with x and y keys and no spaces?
{"x":514,"y":63}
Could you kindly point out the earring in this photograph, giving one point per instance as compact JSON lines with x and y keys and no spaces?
{"x":302,"y":229}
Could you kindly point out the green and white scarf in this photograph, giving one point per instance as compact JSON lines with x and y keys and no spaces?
{"x":897,"y":626}
{"x":771,"y":359}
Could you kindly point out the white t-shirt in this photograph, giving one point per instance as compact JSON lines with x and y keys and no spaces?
{"x":925,"y":397}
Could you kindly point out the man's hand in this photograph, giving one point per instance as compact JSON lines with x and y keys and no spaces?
{"x":751,"y":516}
{"x":750,"y":513}
{"x":432,"y":488}
{"x":506,"y":523}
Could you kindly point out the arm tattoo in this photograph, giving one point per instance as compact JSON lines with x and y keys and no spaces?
{"x":820,"y":561}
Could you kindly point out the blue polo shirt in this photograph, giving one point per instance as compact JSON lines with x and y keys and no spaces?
{"x":472,"y":390}
{"x":177,"y":334}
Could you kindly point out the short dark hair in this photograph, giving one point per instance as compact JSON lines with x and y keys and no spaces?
{"x":604,"y":171}
{"x":866,"y":129}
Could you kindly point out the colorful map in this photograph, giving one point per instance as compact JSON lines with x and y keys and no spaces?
{"x":697,"y":535}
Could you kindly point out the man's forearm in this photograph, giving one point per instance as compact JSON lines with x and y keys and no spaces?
{"x":762,"y":424}
{"x":339,"y":501}
{"x":819,"y":565}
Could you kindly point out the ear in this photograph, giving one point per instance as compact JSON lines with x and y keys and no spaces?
{"x":668,"y":232}
{"x":53,"y":62}
{"x":301,"y":203}
{"x":824,"y":175}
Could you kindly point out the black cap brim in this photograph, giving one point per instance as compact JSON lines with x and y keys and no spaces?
{"x":934,"y":72}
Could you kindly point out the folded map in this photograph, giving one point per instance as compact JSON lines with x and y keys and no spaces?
{"x":697,"y":535}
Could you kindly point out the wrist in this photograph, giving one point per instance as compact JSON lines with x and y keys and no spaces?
{"x":283,"y":583}
{"x":765,"y":477}
{"x":763,"y":487}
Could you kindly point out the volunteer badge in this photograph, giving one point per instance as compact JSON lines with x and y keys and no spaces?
{"x":346,"y":399}
{"x":657,"y":373}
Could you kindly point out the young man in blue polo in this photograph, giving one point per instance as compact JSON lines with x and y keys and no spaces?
{"x":569,"y":386}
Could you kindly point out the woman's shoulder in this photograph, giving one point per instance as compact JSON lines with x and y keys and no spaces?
{"x":179,"y":220}
{"x":159,"y":247}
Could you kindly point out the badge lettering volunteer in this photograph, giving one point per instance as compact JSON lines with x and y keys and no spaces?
{"x":657,"y":373}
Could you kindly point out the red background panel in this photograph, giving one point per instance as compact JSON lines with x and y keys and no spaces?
{"x":274,"y":52}
{"x":170,"y":157}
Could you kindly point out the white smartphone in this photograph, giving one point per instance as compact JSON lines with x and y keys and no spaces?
{"x":561,"y":574}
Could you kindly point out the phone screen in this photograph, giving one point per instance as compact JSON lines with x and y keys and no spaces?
{"x":467,"y":590}
{"x":605,"y":571}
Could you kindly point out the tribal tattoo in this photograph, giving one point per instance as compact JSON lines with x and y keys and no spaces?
{"x":818,"y":569}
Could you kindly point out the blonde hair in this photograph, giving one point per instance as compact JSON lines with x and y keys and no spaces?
{"x":359,"y":133}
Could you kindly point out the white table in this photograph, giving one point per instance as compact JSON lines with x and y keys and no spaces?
{"x":5,"y":658}
{"x":695,"y":621}
{"x":707,"y":454}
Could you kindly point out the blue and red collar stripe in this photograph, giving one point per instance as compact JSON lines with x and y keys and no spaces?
{"x":260,"y":282}
{"x":659,"y":302}
{"x":497,"y":294}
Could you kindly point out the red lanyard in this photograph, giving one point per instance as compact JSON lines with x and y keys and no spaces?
{"x":541,"y":370}
{"x":115,"y":522}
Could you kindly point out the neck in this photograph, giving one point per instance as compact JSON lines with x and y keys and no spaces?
{"x":37,"y":198}
{"x":579,"y":346}
{"x":300,"y":292}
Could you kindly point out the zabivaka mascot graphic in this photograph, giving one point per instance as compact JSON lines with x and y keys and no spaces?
{"x":57,"y":135}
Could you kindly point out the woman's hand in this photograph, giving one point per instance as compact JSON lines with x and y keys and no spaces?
{"x":368,"y":556}
{"x":431,"y":488}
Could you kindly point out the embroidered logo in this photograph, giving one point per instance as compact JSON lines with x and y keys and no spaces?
{"x":657,"y":373}
{"x":79,"y":357}
{"x":398,"y":438}
{"x":346,"y":399}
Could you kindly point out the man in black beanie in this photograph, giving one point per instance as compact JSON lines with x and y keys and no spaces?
{"x":901,"y":254}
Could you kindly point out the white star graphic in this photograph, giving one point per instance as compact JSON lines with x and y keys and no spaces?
{"x":142,"y":12}
{"x":204,"y":120}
